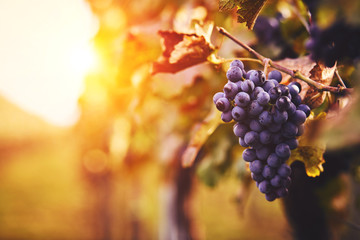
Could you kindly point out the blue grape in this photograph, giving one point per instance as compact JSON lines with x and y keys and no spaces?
{"x":283,"y":103}
{"x":226,"y":116}
{"x":263,"y":98}
{"x":263,"y":152}
{"x":242,"y":99}
{"x":265,"y":118}
{"x":251,"y":138}
{"x":240,"y":129}
{"x":284,"y":170}
{"x":265,"y":137}
{"x":294,"y":88}
{"x":268,"y":172}
{"x":247,"y":86}
{"x":257,"y":77}
{"x":255,"y":108}
{"x":264,"y":186}
{"x":223,"y":104}
{"x":237,"y":63}
{"x":255,"y":125}
{"x":217,"y":96}
{"x":234,"y":74}
{"x":298,"y":117}
{"x":268,"y":85}
{"x":238,"y":113}
{"x":275,"y":74}
{"x":305,"y":108}
{"x":249,"y":155}
{"x":230,"y":90}
{"x":256,"y":166}
{"x":282,"y":150}
{"x":289,"y":130}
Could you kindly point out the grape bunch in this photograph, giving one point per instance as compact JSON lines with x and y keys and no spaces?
{"x":269,"y":116}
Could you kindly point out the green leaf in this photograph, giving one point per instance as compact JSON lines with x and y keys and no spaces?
{"x":181,"y":51}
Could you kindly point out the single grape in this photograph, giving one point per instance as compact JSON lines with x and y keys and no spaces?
{"x":282,"y":150}
{"x":289,"y":130}
{"x":256,"y":166}
{"x":255,"y":108}
{"x":242,"y":142}
{"x":255,"y":125}
{"x":249,"y":73}
{"x":268,"y":85}
{"x":217,"y":96}
{"x":240,"y":129}
{"x":284,"y":90}
{"x":296,"y":100}
{"x":230,"y":90}
{"x":265,"y":137}
{"x":238,"y":113}
{"x":293,"y":143}
{"x":268,"y":172}
{"x":280,"y":117}
{"x":283,"y":103}
{"x":249,"y":155}
{"x":251,"y":138}
{"x":257,"y":77}
{"x":276,"y":181}
{"x":257,"y":177}
{"x":284,"y":170}
{"x":263,"y":98}
{"x":223,"y":104}
{"x":275,"y":74}
{"x":264,"y":186}
{"x":292,"y":108}
{"x":265,"y":118}
{"x":263,"y":152}
{"x":234,"y":74}
{"x":298,"y":117}
{"x":256,"y":92}
{"x":237,"y":63}
{"x":247,"y":86}
{"x":305,"y":108}
{"x":226,"y":116}
{"x":271,"y":196}
{"x":273,"y":160}
{"x":242,"y":99}
{"x":295,"y":88}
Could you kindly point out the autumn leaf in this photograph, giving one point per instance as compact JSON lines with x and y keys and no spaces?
{"x":200,"y":133}
{"x":247,"y":10}
{"x":181,"y":51}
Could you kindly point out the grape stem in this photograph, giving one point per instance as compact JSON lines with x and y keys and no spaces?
{"x":293,"y":73}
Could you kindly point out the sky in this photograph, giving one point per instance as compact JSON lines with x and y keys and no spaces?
{"x":45,"y":52}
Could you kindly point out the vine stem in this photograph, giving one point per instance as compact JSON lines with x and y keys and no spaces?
{"x":293,"y":73}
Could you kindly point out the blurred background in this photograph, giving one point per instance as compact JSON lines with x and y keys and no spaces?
{"x":91,"y":143}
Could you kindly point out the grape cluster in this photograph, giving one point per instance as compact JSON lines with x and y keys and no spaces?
{"x":269,"y":116}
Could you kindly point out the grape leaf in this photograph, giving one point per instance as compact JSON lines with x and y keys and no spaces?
{"x":181,"y":51}
{"x":200,"y":133}
{"x":247,"y":10}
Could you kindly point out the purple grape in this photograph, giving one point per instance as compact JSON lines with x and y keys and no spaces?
{"x":273,"y":160}
{"x":264,"y":186}
{"x":275,"y":74}
{"x":257,"y":177}
{"x":265,"y":118}
{"x":223,"y":104}
{"x":263,"y":98}
{"x":265,"y":137}
{"x":263,"y":152}
{"x":291,"y":109}
{"x":282,"y":192}
{"x":255,"y":125}
{"x":296,"y":100}
{"x":238,"y":113}
{"x":289,"y":130}
{"x":268,"y":172}
{"x":249,"y":73}
{"x":271,"y":196}
{"x":283,"y":150}
{"x":274,"y":127}
{"x":243,"y":143}
{"x":234,"y":74}
{"x":305,"y":108}
{"x":217,"y":96}
{"x":242,"y":99}
{"x":247,"y":86}
{"x":256,"y":92}
{"x":230,"y":90}
{"x":268,"y":85}
{"x":295,"y":88}
{"x":237,"y":63}
{"x":276,"y":181}
{"x":256,"y":167}
{"x":277,"y":138}
{"x":298,"y":117}
{"x":255,"y":108}
{"x":274,"y":94}
{"x":280,"y":117}
{"x":293,"y":143}
{"x":284,"y":90}
{"x":284,"y":170}
{"x":226,"y":116}
{"x":301,"y":130}
{"x":257,"y":77}
{"x":249,"y":155}
{"x":283,"y":103}
{"x":251,"y":138}
{"x":240,"y":129}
